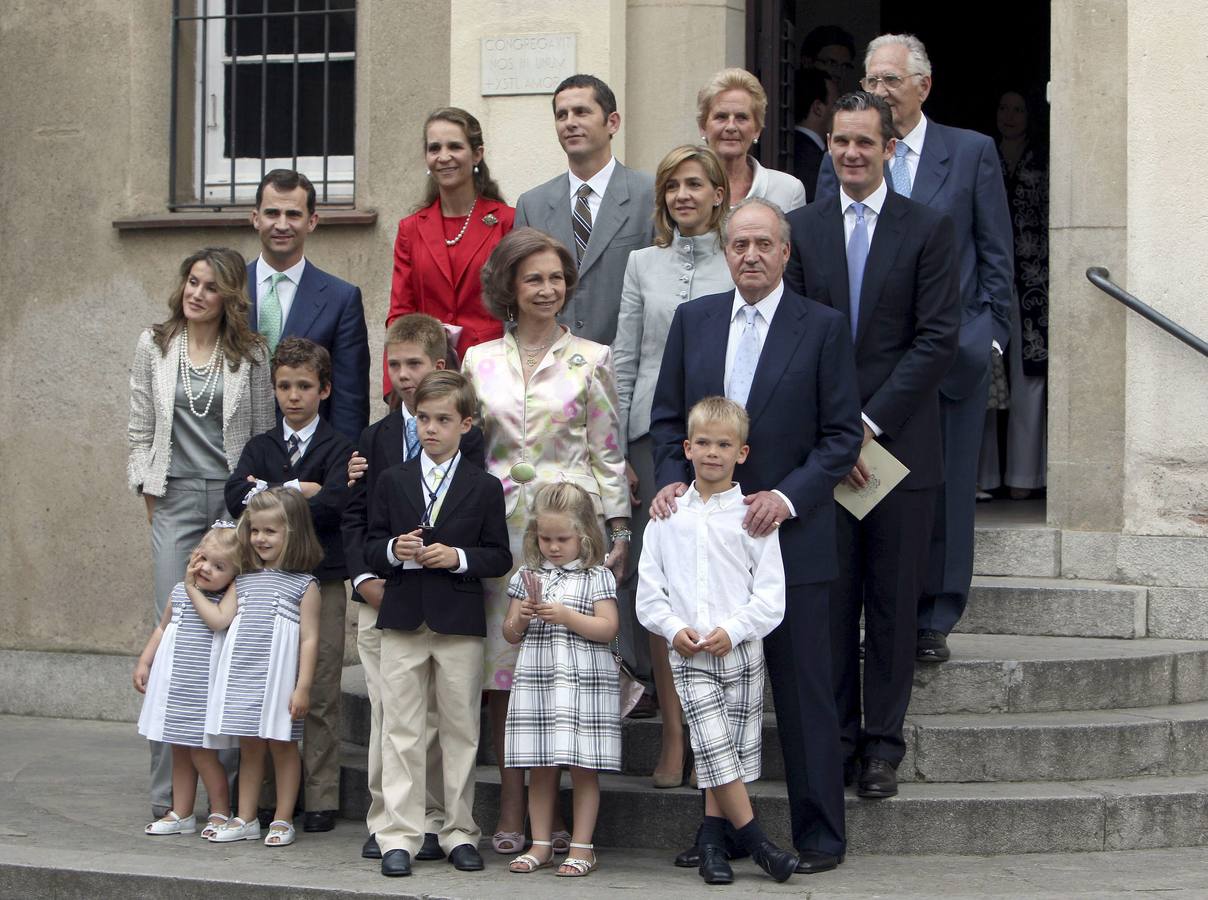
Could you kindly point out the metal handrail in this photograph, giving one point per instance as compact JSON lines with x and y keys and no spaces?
{"x":1101,"y":278}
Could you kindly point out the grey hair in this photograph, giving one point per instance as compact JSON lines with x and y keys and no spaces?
{"x":785,"y":231}
{"x":916,"y":53}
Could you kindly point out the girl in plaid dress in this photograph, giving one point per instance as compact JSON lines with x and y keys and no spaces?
{"x":565,"y":704}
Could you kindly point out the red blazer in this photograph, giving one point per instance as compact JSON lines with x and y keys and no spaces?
{"x":423,"y":280}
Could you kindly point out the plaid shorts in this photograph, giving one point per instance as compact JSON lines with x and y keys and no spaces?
{"x":723,"y":704}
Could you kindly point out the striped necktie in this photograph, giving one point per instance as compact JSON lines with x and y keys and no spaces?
{"x":295,"y":450}
{"x":581,"y":221}
{"x":268,"y":314}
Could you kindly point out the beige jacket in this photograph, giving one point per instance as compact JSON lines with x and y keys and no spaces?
{"x":247,"y":409}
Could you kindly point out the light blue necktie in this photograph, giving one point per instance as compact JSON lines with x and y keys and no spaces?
{"x":411,"y":450}
{"x":746,"y":357}
{"x":268,"y":314}
{"x":857,"y":256}
{"x":900,"y":171}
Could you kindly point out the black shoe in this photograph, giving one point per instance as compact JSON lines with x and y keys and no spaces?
{"x":646,"y":708}
{"x":266,"y":816}
{"x":370,"y":849}
{"x":780,"y":864}
{"x":713,"y":867}
{"x":811,"y":862}
{"x":319,"y":820}
{"x":396,"y":862}
{"x":431,"y":848}
{"x":465,"y":858}
{"x":689,"y":859}
{"x":932,"y":646}
{"x":878,"y":779}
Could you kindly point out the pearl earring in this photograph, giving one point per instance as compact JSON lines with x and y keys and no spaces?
{"x":476,"y":170}
{"x":756,"y":141}
{"x":427,"y":171}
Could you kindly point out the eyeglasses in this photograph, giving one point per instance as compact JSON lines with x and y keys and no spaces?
{"x":891,"y":82}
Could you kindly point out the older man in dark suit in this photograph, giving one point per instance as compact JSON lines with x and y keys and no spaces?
{"x":887,"y":264}
{"x":956,"y":172}
{"x":789,"y":361}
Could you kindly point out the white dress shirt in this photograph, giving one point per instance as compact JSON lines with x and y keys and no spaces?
{"x":700,"y":570}
{"x":305,"y":433}
{"x":599,"y":184}
{"x":285,"y":289}
{"x":872,"y":211}
{"x":427,"y":466}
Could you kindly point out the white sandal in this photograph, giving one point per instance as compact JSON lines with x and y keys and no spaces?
{"x":531,"y":861}
{"x":580,"y":865}
{"x":213,"y":823}
{"x":280,"y":837}
{"x":243,"y":831}
{"x":172,"y":824}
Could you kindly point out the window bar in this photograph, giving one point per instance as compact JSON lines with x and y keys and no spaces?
{"x":326,"y":65}
{"x":200,"y":118}
{"x":263,"y":89}
{"x":174,"y":106}
{"x":293,"y":118}
{"x":232,"y":133}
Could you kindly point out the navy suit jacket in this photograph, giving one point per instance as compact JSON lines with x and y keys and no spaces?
{"x":909,"y":318}
{"x":959,"y":174}
{"x":328,"y":311}
{"x":804,"y":409}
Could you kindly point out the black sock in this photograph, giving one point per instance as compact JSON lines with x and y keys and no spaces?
{"x":713,"y":831}
{"x":750,"y":836}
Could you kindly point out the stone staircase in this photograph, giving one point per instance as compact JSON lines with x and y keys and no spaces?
{"x":1060,"y":724}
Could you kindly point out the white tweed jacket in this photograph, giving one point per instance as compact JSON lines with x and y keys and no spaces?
{"x":247,"y":409}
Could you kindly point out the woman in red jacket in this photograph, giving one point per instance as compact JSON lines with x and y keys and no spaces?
{"x":441,"y":247}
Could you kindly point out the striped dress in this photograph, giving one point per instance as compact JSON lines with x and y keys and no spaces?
{"x":565,"y":708}
{"x":178,"y":688}
{"x":258,"y":666}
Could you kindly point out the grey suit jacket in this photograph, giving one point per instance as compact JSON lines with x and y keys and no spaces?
{"x":657,"y":281}
{"x":625,"y":222}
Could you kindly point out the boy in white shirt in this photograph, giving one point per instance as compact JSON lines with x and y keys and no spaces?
{"x":714,"y":592}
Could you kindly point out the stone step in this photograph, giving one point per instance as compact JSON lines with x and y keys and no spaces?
{"x":1054,"y":606}
{"x":1004,"y":673}
{"x":1008,"y":547}
{"x":968,"y":819}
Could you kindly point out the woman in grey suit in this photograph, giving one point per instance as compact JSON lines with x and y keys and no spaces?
{"x":199,"y":388}
{"x":691,"y":196}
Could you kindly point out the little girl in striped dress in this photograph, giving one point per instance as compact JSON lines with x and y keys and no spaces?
{"x":565,"y":703}
{"x":261,"y":691}
{"x":175,"y":671}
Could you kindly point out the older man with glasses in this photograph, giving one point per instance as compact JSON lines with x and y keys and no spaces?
{"x":954,"y":171}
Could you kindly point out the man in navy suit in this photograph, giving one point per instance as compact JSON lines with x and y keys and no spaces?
{"x":813,"y":96}
{"x":956,"y":172}
{"x":789,"y":362}
{"x":887,"y":264}
{"x":292,"y":297}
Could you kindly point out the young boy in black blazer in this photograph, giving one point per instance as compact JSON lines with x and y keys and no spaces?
{"x":436,"y":529}
{"x":416,"y":345}
{"x":304,"y":452}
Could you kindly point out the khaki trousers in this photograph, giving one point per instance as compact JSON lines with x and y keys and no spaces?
{"x":321,"y":734}
{"x":420,"y":670}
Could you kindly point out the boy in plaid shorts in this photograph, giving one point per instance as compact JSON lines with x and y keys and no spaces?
{"x":714,"y":592}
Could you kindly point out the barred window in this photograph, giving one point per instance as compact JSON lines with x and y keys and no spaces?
{"x":260,"y":85}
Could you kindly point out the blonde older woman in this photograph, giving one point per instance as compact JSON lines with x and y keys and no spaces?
{"x":548,"y":410}
{"x":691,"y":197}
{"x":730,"y":111}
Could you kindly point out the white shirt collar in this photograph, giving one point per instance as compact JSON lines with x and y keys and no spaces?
{"x":873,"y":201}
{"x":766,"y":306}
{"x":264,"y":271}
{"x":573,"y":565}
{"x":449,"y":466}
{"x":725,"y":499}
{"x":813,"y":136}
{"x":598,"y":182}
{"x":305,"y":433}
{"x":918,"y":134}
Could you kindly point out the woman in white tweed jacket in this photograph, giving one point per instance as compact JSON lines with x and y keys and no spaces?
{"x":199,"y":388}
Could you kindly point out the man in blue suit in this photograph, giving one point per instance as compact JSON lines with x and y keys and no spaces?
{"x":956,"y":172}
{"x":789,"y":361}
{"x":292,"y":297}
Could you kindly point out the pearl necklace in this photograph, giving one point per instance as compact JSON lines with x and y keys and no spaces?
{"x":464,"y":225}
{"x":210,"y":372}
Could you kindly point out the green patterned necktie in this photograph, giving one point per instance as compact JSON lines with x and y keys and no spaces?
{"x":268,"y":315}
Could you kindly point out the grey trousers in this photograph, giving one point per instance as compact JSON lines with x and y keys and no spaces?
{"x":633,"y":639}
{"x":181,"y":517}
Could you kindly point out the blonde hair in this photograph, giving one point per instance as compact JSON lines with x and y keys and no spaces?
{"x":732,"y":80}
{"x":721,"y":411}
{"x":664,"y":225}
{"x":568,"y":499}
{"x":300,"y":549}
{"x":225,"y":540}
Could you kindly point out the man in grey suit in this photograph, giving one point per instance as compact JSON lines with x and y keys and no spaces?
{"x":599,"y":208}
